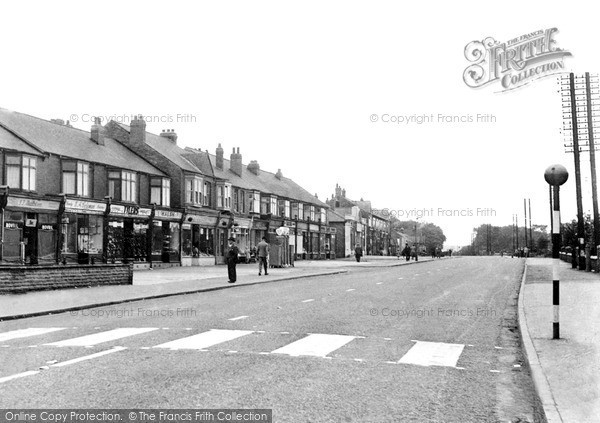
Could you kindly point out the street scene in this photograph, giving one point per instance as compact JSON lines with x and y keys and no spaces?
{"x":314,"y":212}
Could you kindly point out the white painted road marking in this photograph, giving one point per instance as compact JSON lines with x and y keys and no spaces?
{"x":379,"y":283}
{"x":349,"y":290}
{"x":309,"y":300}
{"x":89,"y":357}
{"x":318,"y":345}
{"x":18,"y":375}
{"x":433,"y":354}
{"x":23,"y":333}
{"x":98,"y":338}
{"x":238,"y":318}
{"x":204,"y":339}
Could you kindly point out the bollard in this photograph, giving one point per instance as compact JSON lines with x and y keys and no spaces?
{"x":555,"y":300}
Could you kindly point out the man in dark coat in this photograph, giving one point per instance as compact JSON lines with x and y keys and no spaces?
{"x":232,"y":258}
{"x":358,"y":252}
{"x":407,"y":251}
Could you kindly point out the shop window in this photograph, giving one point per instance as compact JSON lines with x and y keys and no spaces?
{"x":20,"y":172}
{"x":13,"y":233}
{"x":175,"y":239}
{"x":160,"y":191}
{"x":186,"y":240}
{"x":157,"y":238}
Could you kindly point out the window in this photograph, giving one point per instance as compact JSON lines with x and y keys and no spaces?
{"x":307,"y":211}
{"x":300,"y":211}
{"x":220,"y":195}
{"x":76,"y":178}
{"x":264,"y":205}
{"x":193,"y":191}
{"x":323,"y":215}
{"x":122,"y":185}
{"x":273,"y":205}
{"x":206,"y":200}
{"x":295,"y":210}
{"x":227,"y":196}
{"x":312,"y":213}
{"x":255,"y":202}
{"x":160,"y":191}
{"x":21,"y":172}
{"x":284,"y":208}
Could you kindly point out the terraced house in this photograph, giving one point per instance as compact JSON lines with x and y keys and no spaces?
{"x":120,"y":194}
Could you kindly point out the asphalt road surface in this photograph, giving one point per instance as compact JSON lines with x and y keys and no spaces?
{"x":431,"y":342}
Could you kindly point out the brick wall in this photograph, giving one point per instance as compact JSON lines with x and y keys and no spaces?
{"x":18,"y":279}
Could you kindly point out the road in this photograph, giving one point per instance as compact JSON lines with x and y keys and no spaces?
{"x":430,"y":342}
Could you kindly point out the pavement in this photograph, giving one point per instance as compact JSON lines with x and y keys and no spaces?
{"x":159,"y":283}
{"x":566,"y":371}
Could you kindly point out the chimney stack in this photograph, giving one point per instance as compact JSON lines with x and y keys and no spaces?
{"x":137,"y":130}
{"x":170,"y":135}
{"x":254,"y":167}
{"x":97,"y":133}
{"x":279,"y":175}
{"x":219,"y":163}
{"x":235,"y":164}
{"x":344,"y":193}
{"x":338,"y":191}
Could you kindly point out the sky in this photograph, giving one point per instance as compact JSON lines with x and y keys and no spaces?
{"x":295,"y":86}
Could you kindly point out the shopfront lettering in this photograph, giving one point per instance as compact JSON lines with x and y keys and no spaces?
{"x":32,"y":203}
{"x":87,"y":206}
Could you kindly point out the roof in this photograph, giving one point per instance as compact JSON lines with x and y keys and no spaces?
{"x":333,"y":216}
{"x":200,"y":159}
{"x":168,"y":149}
{"x":71,"y":142}
{"x":9,"y":141}
{"x":265,"y":182}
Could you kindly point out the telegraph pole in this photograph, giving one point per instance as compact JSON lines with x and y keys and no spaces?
{"x":571,"y":98}
{"x":530,"y":227}
{"x":525,"y":221}
{"x":590,"y":122}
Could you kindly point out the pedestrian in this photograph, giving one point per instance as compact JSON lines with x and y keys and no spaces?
{"x":262,"y":249}
{"x":406,"y":252}
{"x":232,"y":258}
{"x":358,"y":252}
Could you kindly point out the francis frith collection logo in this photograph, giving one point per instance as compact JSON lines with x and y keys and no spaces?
{"x":514,"y":63}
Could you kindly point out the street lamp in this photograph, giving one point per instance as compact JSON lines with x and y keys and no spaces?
{"x":556,"y":175}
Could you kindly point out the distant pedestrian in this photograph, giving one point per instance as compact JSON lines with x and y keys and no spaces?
{"x":406,"y":252}
{"x":358,"y":252}
{"x":263,"y":255}
{"x":232,"y":258}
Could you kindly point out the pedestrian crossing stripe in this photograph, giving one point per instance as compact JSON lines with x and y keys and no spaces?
{"x":204,"y":339}
{"x":98,"y":338}
{"x":24,"y":333}
{"x":316,"y":344}
{"x":433,"y":354}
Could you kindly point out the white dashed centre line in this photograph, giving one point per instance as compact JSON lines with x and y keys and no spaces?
{"x":309,"y":300}
{"x":350,"y":290}
{"x":238,"y":318}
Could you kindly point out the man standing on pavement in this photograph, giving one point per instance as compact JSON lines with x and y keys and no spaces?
{"x":358,"y":252}
{"x":263,"y":255}
{"x":232,"y":258}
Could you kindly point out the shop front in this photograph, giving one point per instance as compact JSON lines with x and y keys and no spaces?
{"x":127,"y":229}
{"x":166,"y":237}
{"x":241,"y":233}
{"x":29,"y":231}
{"x":197,"y":240}
{"x":82,"y":231}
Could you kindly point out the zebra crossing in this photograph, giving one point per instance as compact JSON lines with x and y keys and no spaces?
{"x":279,"y":344}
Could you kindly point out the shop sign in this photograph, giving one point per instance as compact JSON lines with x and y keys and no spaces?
{"x":31,"y":223}
{"x":129,"y":211}
{"x":168,"y":214}
{"x":282,"y":230}
{"x":201,"y":220}
{"x":32,"y":203}
{"x":47,"y":227}
{"x":74,"y":206}
{"x":261,"y":226}
{"x":314,"y":228}
{"x":13,"y":225}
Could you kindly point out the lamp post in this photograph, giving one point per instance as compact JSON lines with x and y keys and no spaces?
{"x":3,"y":202}
{"x":556,"y":175}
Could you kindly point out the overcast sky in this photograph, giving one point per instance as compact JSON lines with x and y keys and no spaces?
{"x":294,"y":85}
